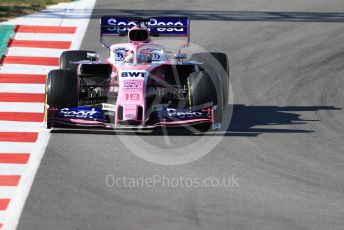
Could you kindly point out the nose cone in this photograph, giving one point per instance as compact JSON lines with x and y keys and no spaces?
{"x":131,"y":98}
{"x":130,"y":112}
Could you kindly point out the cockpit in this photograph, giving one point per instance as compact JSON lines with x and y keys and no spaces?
{"x":145,"y":54}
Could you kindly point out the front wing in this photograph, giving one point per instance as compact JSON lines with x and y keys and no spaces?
{"x":98,"y":116}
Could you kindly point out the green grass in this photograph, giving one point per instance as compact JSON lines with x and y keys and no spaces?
{"x":15,"y":8}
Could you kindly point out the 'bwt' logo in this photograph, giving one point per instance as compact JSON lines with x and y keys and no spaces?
{"x":133,"y":74}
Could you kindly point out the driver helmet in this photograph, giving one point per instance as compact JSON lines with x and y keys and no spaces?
{"x":138,"y":34}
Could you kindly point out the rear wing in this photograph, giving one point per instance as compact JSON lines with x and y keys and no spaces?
{"x":157,"y":26}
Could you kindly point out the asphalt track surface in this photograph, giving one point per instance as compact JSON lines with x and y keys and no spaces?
{"x":285,"y":143}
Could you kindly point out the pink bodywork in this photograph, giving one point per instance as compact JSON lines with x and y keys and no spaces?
{"x":131,"y":90}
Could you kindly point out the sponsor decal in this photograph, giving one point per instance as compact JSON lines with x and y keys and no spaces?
{"x":119,"y":55}
{"x":155,"y":22}
{"x":132,"y":84}
{"x":163,"y":25}
{"x":152,"y":22}
{"x":108,"y":107}
{"x":182,"y":114}
{"x":157,"y":55}
{"x":79,"y":113}
{"x":133,"y":74}
{"x":131,"y":96}
{"x":130,"y":116}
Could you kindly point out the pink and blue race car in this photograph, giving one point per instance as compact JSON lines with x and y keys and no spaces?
{"x":139,"y":85}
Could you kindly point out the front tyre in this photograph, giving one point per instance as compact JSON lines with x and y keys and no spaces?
{"x":215,"y":63}
{"x":62,"y":89}
{"x":205,"y":89}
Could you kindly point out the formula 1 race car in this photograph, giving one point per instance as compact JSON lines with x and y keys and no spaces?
{"x":138,"y":85}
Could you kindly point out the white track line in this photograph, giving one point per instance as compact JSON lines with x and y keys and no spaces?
{"x":22,"y":88}
{"x":20,"y":147}
{"x":21,"y":107}
{"x":35,"y":21}
{"x":34,"y":52}
{"x":8,"y":192}
{"x":3,"y":216}
{"x":24,"y":126}
{"x":12,"y":169}
{"x":26,"y":69}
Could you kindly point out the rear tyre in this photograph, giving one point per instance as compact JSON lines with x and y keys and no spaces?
{"x":203,"y":89}
{"x":67,"y":57}
{"x":215,"y":64}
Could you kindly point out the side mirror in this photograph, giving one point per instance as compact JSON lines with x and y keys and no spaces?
{"x":93,"y":56}
{"x":180,"y":55}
